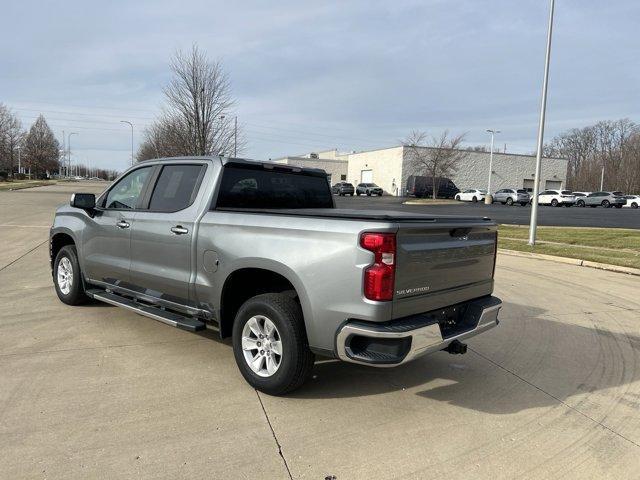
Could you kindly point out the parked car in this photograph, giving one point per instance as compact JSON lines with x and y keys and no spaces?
{"x":422,"y":186}
{"x":471,"y":195}
{"x":557,"y":198}
{"x":580,"y":196}
{"x":342,"y":189}
{"x":249,"y":250}
{"x":509,"y":196}
{"x":633,"y":201}
{"x":368,"y":189}
{"x":604,"y":199}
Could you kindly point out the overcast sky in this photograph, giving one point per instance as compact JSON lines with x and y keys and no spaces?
{"x":307,"y":76}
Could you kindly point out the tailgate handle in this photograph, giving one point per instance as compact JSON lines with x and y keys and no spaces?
{"x":461,"y":233}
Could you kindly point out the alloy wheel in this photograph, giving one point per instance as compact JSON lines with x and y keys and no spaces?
{"x":262,"y":346}
{"x":65,"y":275}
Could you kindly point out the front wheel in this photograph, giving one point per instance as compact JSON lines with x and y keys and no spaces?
{"x":634,"y":205}
{"x":474,"y":199}
{"x":368,"y":194}
{"x":270,"y":344}
{"x":606,"y":203}
{"x":618,"y":206}
{"x":509,"y":201}
{"x":580,"y":203}
{"x":67,"y":276}
{"x":554,"y":203}
{"x":358,"y":193}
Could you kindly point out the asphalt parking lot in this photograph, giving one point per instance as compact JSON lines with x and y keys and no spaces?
{"x":514,"y":215}
{"x":99,"y":392}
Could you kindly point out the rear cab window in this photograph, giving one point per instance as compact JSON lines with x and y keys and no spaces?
{"x":257,"y":187}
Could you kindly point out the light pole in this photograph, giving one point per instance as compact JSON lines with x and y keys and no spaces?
{"x":488,"y":197}
{"x":69,"y":152}
{"x":543,"y":110}
{"x":602,"y":178}
{"x":19,"y":167}
{"x":131,"y":125}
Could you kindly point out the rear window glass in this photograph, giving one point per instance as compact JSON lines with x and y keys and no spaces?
{"x":522,"y":191}
{"x":566,"y":192}
{"x":255,"y":187}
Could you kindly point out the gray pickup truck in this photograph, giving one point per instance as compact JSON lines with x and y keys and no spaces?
{"x":259,"y":252}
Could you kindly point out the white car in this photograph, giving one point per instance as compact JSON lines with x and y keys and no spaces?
{"x":557,"y":198}
{"x":633,"y":201}
{"x":471,"y":195}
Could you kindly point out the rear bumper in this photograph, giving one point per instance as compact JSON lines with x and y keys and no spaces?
{"x":393,"y":343}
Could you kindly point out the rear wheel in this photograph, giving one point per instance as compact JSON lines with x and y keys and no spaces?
{"x":580,"y":203}
{"x":509,"y":201}
{"x":358,"y":193}
{"x":270,"y":344}
{"x":67,"y":277}
{"x":634,"y":205}
{"x":606,"y":203}
{"x":554,"y":203}
{"x":368,"y":193}
{"x":618,"y":206}
{"x":474,"y":199}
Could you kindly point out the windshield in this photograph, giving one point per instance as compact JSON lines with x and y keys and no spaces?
{"x":522,"y":191}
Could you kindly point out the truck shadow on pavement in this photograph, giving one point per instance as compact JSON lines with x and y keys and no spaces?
{"x":531,"y":360}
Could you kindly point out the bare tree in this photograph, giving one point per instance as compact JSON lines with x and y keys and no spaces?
{"x":608,"y":145}
{"x":11,"y":138}
{"x":197,"y":114}
{"x":434,"y":156}
{"x":41,"y":148}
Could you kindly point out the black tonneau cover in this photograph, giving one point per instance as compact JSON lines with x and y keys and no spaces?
{"x":352,"y":214}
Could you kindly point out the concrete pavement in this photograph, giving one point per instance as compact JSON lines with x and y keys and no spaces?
{"x":98,"y":392}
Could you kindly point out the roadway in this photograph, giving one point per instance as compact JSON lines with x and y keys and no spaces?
{"x":99,"y":392}
{"x":514,"y":215}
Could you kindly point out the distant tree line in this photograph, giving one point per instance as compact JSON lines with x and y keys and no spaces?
{"x":610,"y":144}
{"x":197,"y":117}
{"x":36,"y":151}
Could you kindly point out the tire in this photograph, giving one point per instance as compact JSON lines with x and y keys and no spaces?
{"x":509,"y":201}
{"x":554,"y":203}
{"x":457,"y":197}
{"x":580,"y":203}
{"x":368,"y":193}
{"x":634,"y":205}
{"x":67,"y":277}
{"x":606,"y":204}
{"x":524,"y":204}
{"x":618,"y":206}
{"x":474,"y":199}
{"x":295,"y":361}
{"x":358,"y":193}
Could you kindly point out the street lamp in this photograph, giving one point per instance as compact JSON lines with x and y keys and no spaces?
{"x":19,"y":168}
{"x":131,"y":125}
{"x":543,"y":110}
{"x":69,"y":151}
{"x":488,"y":197}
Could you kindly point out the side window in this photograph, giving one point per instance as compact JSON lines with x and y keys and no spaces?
{"x":126,"y":192}
{"x":175,"y":188}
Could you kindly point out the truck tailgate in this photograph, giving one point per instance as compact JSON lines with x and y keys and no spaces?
{"x":441,"y":264}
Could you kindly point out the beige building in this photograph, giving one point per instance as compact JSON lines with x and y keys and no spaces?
{"x":391,"y":167}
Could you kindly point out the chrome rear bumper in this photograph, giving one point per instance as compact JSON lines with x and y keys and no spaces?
{"x":401,"y":341}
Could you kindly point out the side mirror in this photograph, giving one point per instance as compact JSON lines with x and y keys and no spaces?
{"x":85,"y":201}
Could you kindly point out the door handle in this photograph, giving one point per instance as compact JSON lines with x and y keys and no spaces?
{"x":122,"y":224}
{"x":179,"y":230}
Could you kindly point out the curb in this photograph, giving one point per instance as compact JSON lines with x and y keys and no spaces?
{"x":572,"y":261}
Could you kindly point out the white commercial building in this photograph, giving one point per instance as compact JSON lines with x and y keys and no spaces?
{"x":391,"y":167}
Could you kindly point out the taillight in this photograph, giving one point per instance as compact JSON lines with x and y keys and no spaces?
{"x":495,"y":256}
{"x":379,"y":278}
